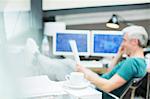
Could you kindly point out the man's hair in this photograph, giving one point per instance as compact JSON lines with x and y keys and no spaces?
{"x":137,"y":32}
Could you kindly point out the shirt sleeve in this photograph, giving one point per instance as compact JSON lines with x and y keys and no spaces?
{"x":127,"y":70}
{"x":112,"y":72}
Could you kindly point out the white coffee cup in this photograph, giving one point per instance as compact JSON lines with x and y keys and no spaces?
{"x":75,"y":78}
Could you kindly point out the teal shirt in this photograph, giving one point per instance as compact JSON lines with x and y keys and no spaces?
{"x":127,"y":69}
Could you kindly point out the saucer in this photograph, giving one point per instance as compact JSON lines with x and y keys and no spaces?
{"x":80,"y":86}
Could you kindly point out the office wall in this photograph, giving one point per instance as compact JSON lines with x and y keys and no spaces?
{"x":102,"y":26}
{"x":69,"y":4}
{"x":22,"y":22}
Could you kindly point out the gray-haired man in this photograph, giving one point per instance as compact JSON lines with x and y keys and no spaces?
{"x":121,"y":72}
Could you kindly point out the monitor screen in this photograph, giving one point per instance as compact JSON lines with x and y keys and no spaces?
{"x":61,"y":45}
{"x":105,"y":43}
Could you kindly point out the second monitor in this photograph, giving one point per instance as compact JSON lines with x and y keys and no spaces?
{"x":105,"y":43}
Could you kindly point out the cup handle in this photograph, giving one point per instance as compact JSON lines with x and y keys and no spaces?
{"x":67,"y":77}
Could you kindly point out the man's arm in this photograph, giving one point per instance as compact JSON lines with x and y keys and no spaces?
{"x":116,"y":59}
{"x":103,"y":84}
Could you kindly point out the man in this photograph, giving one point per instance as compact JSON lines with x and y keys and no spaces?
{"x":122,"y":72}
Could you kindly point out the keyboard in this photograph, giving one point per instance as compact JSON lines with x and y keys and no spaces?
{"x":91,"y":64}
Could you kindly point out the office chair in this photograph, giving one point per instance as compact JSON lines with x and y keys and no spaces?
{"x":133,"y":85}
{"x":136,"y":83}
{"x":144,"y":89}
{"x":148,"y":86}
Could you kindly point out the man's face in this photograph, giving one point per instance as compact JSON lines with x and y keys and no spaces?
{"x":126,"y":44}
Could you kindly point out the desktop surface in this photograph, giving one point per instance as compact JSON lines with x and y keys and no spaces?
{"x":91,"y":64}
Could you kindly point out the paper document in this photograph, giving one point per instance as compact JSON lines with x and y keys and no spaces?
{"x":38,"y":86}
{"x":85,"y":93}
{"x":75,"y":51}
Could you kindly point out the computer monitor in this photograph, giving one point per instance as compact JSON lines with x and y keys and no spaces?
{"x":105,"y":43}
{"x":61,"y":44}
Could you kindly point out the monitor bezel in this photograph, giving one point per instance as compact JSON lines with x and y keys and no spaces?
{"x":87,"y":32}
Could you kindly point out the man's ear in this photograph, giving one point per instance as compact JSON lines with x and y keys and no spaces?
{"x":135,"y":42}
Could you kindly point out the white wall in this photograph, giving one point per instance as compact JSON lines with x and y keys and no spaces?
{"x":66,"y":4}
{"x":103,"y":17}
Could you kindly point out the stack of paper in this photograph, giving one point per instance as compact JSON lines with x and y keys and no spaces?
{"x":40,"y":86}
{"x":85,"y":93}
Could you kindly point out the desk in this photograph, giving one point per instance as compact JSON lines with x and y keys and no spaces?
{"x":95,"y":66}
{"x":85,"y":93}
{"x":40,"y":87}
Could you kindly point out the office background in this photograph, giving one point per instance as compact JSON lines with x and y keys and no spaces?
{"x":21,"y":19}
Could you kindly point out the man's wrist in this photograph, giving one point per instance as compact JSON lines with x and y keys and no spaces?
{"x":119,"y":56}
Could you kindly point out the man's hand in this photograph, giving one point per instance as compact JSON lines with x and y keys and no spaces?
{"x":80,"y":68}
{"x":117,"y":58}
{"x":87,"y":72}
{"x":121,"y":50}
